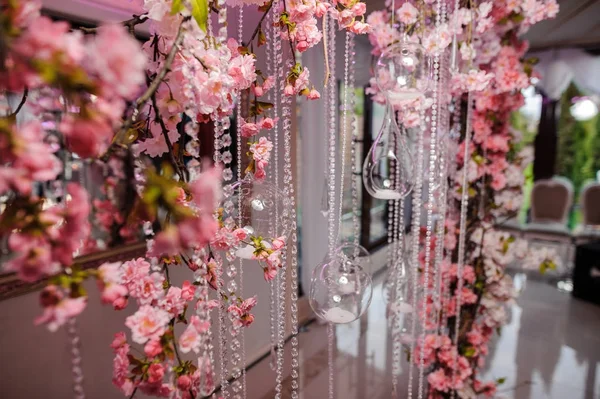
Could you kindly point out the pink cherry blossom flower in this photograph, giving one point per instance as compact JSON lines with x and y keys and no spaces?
{"x":190,"y":339}
{"x":313,"y":95}
{"x":407,"y":13}
{"x":56,"y":315}
{"x":173,"y":302}
{"x":148,"y":323}
{"x":119,"y":340}
{"x":269,"y":273}
{"x":250,"y":129}
{"x":242,"y":70}
{"x":184,"y":382}
{"x":153,"y":348}
{"x":148,"y":289}
{"x":188,"y":290}
{"x":359,"y":27}
{"x":156,"y":372}
{"x":261,"y":150}
{"x":278,"y":243}
{"x":121,"y":67}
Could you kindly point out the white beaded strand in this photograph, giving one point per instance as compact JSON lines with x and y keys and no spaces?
{"x":433,"y":155}
{"x":414,"y":259}
{"x":332,"y":101}
{"x":76,"y":358}
{"x":464,"y":204}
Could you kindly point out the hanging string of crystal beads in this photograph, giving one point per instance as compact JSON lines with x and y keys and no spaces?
{"x":272,"y":97}
{"x":354,"y":155}
{"x":220,"y":140}
{"x":332,"y":101}
{"x":464,"y":203}
{"x":414,"y":256}
{"x":76,"y":358}
{"x":442,"y":170}
{"x":432,"y":175}
{"x":280,"y":280}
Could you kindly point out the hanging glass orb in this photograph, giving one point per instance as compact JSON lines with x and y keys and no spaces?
{"x":355,"y":253}
{"x":340,"y":290}
{"x":402,"y":73}
{"x":388,"y":170}
{"x":264,"y":209}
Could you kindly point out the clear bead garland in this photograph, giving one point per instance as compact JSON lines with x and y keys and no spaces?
{"x":223,"y":140}
{"x":443,"y":136}
{"x":280,"y":280}
{"x":464,"y":203}
{"x":271,"y":33}
{"x":76,"y":358}
{"x":454,"y":134}
{"x":332,"y":101}
{"x":293,"y":248}
{"x":414,"y":258}
{"x":433,"y":159}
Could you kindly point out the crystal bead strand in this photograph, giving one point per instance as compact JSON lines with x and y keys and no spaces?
{"x":76,"y":358}
{"x":414,"y":258}
{"x":331,"y":115}
{"x":394,"y":284}
{"x":271,"y":35}
{"x":443,"y":124}
{"x":354,"y":150}
{"x":344,"y":122}
{"x":451,"y":157}
{"x":293,"y":248}
{"x":236,"y":370}
{"x":227,"y":175}
{"x":430,"y":203}
{"x":462,"y":235}
{"x":393,"y":289}
{"x":332,"y":101}
{"x":280,"y":280}
{"x":207,"y":359}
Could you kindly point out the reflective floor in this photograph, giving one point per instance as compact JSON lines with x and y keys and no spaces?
{"x":550,"y":349}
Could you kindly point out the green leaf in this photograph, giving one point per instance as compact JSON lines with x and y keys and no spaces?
{"x":469,"y":352}
{"x":500,"y":381}
{"x":200,"y":13}
{"x":177,"y":7}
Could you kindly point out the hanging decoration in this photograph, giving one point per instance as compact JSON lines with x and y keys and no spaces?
{"x":472,"y":177}
{"x":142,"y":113}
{"x":142,"y":116}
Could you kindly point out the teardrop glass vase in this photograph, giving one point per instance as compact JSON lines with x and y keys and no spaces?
{"x":388,"y":169}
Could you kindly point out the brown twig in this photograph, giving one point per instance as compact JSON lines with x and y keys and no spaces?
{"x":258,"y":26}
{"x":22,"y":103}
{"x":141,"y":101}
{"x":165,"y":132}
{"x":129,"y":24}
{"x":293,"y":53}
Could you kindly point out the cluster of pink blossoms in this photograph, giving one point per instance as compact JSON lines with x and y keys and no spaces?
{"x":491,"y":66}
{"x":45,"y":243}
{"x":51,"y":54}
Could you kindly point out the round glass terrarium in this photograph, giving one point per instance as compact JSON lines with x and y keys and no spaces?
{"x":261,"y":209}
{"x":340,"y":289}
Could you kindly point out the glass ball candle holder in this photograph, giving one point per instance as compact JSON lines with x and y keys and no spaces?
{"x":340,"y":290}
{"x":261,"y":209}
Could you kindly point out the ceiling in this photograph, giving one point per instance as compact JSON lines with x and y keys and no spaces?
{"x":577,"y":24}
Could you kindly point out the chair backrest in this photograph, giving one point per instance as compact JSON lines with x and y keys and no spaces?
{"x":551,"y":200}
{"x":590,"y":204}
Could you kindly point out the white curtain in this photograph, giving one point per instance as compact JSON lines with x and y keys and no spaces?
{"x":559,"y":67}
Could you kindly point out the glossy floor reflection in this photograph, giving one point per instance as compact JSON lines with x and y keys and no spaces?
{"x":550,"y":349}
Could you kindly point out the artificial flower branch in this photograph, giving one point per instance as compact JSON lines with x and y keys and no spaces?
{"x":141,"y":101}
